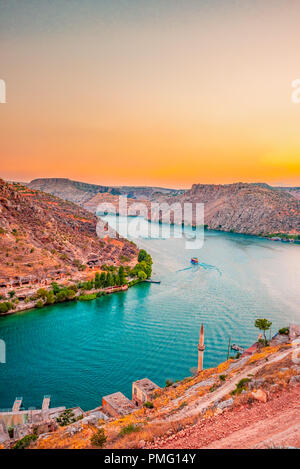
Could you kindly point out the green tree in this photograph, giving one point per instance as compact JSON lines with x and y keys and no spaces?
{"x":142,"y":275}
{"x":25,"y":441}
{"x":142,"y":255}
{"x":145,"y":267}
{"x":61,"y":296}
{"x":99,"y":438}
{"x":50,"y":298}
{"x":148,"y":405}
{"x":11,"y":293}
{"x":5,"y":307}
{"x":263,"y":325}
{"x":97,"y":280}
{"x":55,"y":288}
{"x":42,"y":293}
{"x":108,"y":280}
{"x":66,"y":417}
{"x":70,"y":293}
{"x":102,"y":279}
{"x":122,"y":279}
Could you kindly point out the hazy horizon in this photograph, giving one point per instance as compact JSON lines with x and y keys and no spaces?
{"x":144,"y":185}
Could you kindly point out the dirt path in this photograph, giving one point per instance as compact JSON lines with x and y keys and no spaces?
{"x":261,"y":425}
{"x":207,"y":400}
{"x":278,"y":430}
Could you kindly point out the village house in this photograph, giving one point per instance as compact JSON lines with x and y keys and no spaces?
{"x":143,"y":390}
{"x":117,"y":405}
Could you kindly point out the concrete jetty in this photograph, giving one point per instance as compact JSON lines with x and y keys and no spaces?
{"x":17,"y":404}
{"x":46,"y":403}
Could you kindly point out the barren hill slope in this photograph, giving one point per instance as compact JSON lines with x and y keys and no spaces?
{"x":74,"y":191}
{"x":82,"y":192}
{"x":244,"y":403}
{"x":256,"y":209}
{"x":245,"y":208}
{"x":42,"y":235}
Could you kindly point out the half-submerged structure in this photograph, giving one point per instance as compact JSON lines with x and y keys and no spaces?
{"x":143,"y":390}
{"x":117,"y":405}
{"x":201,"y":348}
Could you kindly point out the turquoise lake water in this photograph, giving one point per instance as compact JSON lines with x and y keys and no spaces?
{"x":79,"y":352}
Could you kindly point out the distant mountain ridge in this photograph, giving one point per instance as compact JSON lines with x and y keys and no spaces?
{"x":253,"y":208}
{"x":82,"y":192}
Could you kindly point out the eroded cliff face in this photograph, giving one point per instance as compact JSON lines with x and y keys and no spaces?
{"x":246,"y":208}
{"x":256,"y":209}
{"x":42,"y":235}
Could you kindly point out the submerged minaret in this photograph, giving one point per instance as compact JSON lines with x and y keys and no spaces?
{"x":201,"y":348}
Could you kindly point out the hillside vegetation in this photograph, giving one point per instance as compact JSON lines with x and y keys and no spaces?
{"x":42,"y":236}
{"x":261,"y":386}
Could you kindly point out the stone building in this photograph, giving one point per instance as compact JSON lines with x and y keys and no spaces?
{"x":142,"y":391}
{"x":117,"y":405}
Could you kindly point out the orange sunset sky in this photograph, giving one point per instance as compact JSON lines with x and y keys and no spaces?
{"x":142,"y":92}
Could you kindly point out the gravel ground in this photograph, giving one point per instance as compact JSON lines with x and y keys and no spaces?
{"x":275,"y":423}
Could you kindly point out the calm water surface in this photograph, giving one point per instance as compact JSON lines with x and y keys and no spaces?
{"x":79,"y":352}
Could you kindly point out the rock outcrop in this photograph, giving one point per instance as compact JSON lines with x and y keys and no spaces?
{"x":255,"y":209}
{"x":42,"y":236}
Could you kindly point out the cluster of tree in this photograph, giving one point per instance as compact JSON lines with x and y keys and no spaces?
{"x":56,"y":295}
{"x":5,"y":306}
{"x":110,"y":278}
{"x":67,"y":417}
{"x":24,"y":442}
{"x":296,"y":237}
{"x":90,"y":296}
{"x":108,"y":268}
{"x":59,"y":294}
{"x":143,"y":269}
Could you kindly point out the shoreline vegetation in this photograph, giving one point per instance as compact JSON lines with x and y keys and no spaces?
{"x":284,"y":237}
{"x":109,"y":279}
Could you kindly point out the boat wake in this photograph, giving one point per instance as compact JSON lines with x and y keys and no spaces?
{"x":202,"y":265}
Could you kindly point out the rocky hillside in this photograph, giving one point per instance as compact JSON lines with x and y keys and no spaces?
{"x":256,"y":209}
{"x":106,"y":198}
{"x":74,"y":191}
{"x":245,"y":208}
{"x":294,"y":191}
{"x":81,"y":192}
{"x":248,"y":402}
{"x":44,"y":236}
